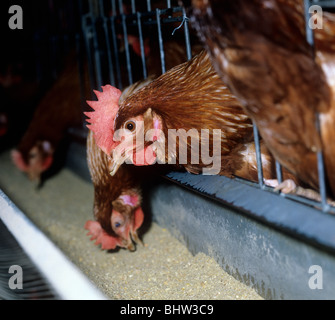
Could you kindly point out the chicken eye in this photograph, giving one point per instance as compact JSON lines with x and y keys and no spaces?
{"x":118,"y":224}
{"x":130,"y":125}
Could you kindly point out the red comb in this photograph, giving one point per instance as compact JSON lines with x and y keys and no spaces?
{"x":96,"y":232}
{"x":102,"y":118}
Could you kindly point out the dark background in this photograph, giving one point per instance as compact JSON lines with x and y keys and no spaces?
{"x":32,"y":58}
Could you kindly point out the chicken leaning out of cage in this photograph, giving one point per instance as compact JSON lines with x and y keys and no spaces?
{"x":117,"y":199}
{"x":261,"y":50}
{"x":168,"y":105}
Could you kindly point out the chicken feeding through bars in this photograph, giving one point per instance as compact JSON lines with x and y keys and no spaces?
{"x":120,"y":53}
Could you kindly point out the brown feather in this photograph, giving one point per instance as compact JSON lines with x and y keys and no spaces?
{"x":192,"y":96}
{"x":107,"y":188}
{"x":260,"y":50}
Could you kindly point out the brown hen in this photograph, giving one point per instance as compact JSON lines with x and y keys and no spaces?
{"x":190,"y":98}
{"x":59,"y":110}
{"x":260,"y":50}
{"x":117,"y":200}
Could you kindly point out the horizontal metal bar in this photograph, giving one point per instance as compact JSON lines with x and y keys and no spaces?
{"x":324,"y":4}
{"x":289,"y":216}
{"x":151,"y":14}
{"x":299,"y":199}
{"x":134,"y":23}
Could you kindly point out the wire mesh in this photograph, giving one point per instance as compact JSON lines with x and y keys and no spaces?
{"x":107,"y":31}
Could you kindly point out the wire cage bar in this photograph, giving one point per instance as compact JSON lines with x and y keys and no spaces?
{"x":320,"y":160}
{"x":108,"y":35}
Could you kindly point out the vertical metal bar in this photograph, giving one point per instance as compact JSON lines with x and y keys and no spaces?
{"x":108,"y":47}
{"x":126,"y":44}
{"x":96,"y":48}
{"x":86,"y":32}
{"x":101,"y":8}
{"x":258,"y":157}
{"x":321,"y":171}
{"x":115,"y":48}
{"x":116,"y":52}
{"x":320,"y":159}
{"x":113,"y":8}
{"x":139,"y":25}
{"x":148,"y":5}
{"x":160,"y":40}
{"x":279,"y":173}
{"x":81,"y":76}
{"x":133,"y":7}
{"x":80,"y":53}
{"x":309,"y":31}
{"x":187,"y":37}
{"x":120,"y":7}
{"x":168,"y":3}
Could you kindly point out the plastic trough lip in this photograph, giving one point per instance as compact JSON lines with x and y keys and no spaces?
{"x":51,"y":262}
{"x":286,"y":215}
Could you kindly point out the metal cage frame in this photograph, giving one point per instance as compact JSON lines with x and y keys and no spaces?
{"x":94,"y":18}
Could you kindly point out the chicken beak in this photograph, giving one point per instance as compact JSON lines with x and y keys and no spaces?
{"x":115,"y":162}
{"x":136,"y":238}
{"x":118,"y":157}
{"x":35,"y":178}
{"x":131,"y":246}
{"x":114,"y":167}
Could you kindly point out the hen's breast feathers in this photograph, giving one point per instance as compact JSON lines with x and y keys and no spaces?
{"x":108,"y":188}
{"x":98,"y":166}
